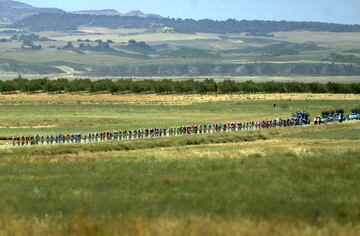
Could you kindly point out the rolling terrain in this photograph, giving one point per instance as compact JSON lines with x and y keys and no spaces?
{"x":119,"y":53}
{"x":98,"y":71}
{"x":12,"y":11}
{"x":106,"y":43}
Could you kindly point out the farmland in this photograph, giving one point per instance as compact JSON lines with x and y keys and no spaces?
{"x":300,"y":56}
{"x":301,"y":180}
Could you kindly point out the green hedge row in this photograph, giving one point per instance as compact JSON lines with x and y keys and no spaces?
{"x":171,"y":86}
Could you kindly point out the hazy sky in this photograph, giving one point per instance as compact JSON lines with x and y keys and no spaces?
{"x":338,"y":11}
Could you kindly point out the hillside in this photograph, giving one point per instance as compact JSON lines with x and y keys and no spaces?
{"x":13,"y":11}
{"x":108,"y":43}
{"x":63,"y":22}
{"x":102,"y":52}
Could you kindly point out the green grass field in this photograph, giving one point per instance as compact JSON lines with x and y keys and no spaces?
{"x":219,"y":184}
{"x":43,"y":118}
{"x":294,"y":181}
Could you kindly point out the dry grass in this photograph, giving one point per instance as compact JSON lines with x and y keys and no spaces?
{"x":165,"y":99}
{"x":197,"y":225}
{"x":259,"y":148}
{"x":148,"y":37}
{"x":107,"y":31}
{"x":329,"y":39}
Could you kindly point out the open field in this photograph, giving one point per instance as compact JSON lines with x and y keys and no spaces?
{"x":49,"y":114}
{"x":171,"y":99}
{"x":148,"y":37}
{"x":300,"y":181}
{"x":285,"y":181}
{"x":327,"y":39}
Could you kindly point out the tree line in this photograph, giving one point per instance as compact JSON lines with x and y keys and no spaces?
{"x":168,"y":86}
{"x":64,"y":22}
{"x":227,"y":69}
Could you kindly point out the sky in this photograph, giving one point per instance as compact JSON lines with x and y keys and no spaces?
{"x":335,"y":11}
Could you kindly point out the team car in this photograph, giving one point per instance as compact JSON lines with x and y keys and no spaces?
{"x":355,"y":114}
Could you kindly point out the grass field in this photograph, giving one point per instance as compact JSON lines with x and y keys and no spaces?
{"x":259,"y":183}
{"x":327,"y":39}
{"x":153,"y":37}
{"x":294,"y":181}
{"x":50,"y":114}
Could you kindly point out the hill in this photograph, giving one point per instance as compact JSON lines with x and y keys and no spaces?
{"x":67,"y":21}
{"x":13,"y":11}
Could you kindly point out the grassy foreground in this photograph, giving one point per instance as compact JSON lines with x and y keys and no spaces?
{"x":298,"y":181}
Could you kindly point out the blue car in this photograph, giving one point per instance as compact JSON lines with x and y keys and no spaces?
{"x":354,"y":115}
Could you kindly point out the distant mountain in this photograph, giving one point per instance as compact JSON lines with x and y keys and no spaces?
{"x":112,"y":12}
{"x":32,"y":18}
{"x":13,"y":11}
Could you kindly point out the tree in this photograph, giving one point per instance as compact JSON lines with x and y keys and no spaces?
{"x":102,"y":85}
{"x":4,"y":40}
{"x":78,"y":85}
{"x":9,"y":87}
{"x":37,"y":47}
{"x":228,"y":86}
{"x":163,"y":86}
{"x":206,"y":86}
{"x":318,"y":88}
{"x":56,"y":86}
{"x":69,"y":45}
{"x":27,"y":43}
{"x":250,"y":87}
{"x":102,"y":44}
{"x":273,"y":87}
